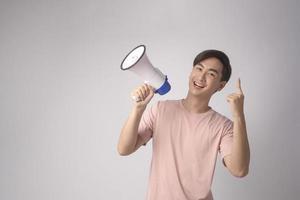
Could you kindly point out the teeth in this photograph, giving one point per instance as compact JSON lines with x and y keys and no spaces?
{"x":199,"y":85}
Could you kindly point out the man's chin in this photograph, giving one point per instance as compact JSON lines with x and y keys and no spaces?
{"x":197,"y":93}
{"x":200,"y":94}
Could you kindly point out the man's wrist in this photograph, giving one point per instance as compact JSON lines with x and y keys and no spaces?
{"x":139,"y":109}
{"x":239,"y":117}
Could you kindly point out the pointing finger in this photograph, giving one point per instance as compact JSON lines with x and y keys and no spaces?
{"x":239,"y":88}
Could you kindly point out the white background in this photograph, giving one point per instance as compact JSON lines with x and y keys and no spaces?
{"x":64,"y":99}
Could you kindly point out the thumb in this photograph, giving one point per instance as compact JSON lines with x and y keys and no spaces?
{"x":150,"y":95}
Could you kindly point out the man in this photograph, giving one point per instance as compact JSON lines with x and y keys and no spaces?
{"x":188,"y":134}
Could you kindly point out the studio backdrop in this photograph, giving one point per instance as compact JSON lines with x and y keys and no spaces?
{"x":64,"y":98}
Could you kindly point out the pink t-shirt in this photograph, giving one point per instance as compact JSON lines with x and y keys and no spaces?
{"x":185,"y":147}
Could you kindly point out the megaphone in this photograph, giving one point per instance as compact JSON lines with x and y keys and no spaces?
{"x":137,"y":61}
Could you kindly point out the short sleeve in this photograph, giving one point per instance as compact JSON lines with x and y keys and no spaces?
{"x":226,"y":139}
{"x":147,"y":123}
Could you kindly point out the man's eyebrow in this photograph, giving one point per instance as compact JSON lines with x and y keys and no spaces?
{"x":210,"y":69}
{"x":214,"y":70}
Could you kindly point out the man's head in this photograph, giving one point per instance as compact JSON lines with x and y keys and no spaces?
{"x":221,"y":56}
{"x":211,"y":71}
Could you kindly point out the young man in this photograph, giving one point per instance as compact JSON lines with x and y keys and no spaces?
{"x":188,"y":134}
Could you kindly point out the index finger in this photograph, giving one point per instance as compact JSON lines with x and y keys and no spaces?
{"x":239,"y":88}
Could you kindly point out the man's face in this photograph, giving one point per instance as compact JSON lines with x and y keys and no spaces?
{"x":205,"y":78}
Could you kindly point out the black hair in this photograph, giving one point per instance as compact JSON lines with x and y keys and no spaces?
{"x":221,"y":56}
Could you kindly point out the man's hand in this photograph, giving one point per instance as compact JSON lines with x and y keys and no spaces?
{"x":143,"y":95}
{"x":239,"y":159}
{"x":236,"y":101}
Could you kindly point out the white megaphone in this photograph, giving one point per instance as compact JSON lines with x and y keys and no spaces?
{"x":138,"y":62}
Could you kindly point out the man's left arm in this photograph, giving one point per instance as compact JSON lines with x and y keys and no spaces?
{"x":239,"y":159}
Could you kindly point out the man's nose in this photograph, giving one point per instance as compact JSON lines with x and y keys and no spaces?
{"x":202,"y":77}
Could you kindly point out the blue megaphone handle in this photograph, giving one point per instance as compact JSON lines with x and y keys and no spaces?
{"x":165,"y":88}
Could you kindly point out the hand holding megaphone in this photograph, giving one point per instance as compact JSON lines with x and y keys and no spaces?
{"x":138,"y":62}
{"x":143,"y":94}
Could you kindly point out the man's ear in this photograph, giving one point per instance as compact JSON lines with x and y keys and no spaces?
{"x":222,"y":85}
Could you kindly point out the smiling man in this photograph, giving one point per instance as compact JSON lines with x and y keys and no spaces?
{"x":188,"y":134}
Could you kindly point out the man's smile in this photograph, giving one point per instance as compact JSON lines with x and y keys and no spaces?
{"x":199,"y":85}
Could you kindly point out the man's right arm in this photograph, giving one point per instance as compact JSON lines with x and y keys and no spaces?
{"x":130,"y":140}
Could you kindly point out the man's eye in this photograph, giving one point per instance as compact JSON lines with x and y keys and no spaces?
{"x":211,"y":74}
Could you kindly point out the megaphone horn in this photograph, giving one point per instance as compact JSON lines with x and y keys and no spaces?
{"x":138,"y":62}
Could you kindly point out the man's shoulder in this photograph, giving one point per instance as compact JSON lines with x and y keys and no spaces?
{"x":166,"y":103}
{"x":220,"y":117}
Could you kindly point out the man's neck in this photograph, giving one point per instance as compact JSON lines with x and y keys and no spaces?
{"x":196,"y":104}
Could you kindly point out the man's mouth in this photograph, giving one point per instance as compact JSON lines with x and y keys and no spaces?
{"x":199,"y":85}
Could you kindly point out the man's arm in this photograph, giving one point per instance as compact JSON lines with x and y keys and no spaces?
{"x":129,"y":134}
{"x":129,"y":140}
{"x":239,"y":159}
